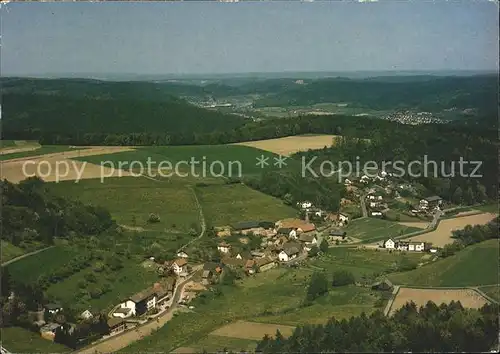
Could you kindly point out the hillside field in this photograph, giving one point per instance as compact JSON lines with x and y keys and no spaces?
{"x":130,"y":200}
{"x":9,"y":251}
{"x":372,"y":230}
{"x":30,"y":268}
{"x":227,"y":204}
{"x":292,"y":144}
{"x":20,"y":340}
{"x":473,"y":266}
{"x":362,"y":261}
{"x":226,"y":160}
{"x":43,"y":150}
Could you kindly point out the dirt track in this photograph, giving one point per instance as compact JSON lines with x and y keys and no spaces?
{"x":292,"y":144}
{"x":45,"y":166}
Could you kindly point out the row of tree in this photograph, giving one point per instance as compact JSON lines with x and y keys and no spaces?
{"x":431,"y":328}
{"x":32,"y":213}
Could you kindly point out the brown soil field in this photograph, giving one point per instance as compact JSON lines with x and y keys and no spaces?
{"x":420,"y":225}
{"x":252,"y":330}
{"x":465,"y":213}
{"x":292,"y":144}
{"x":45,"y":166}
{"x":442,"y":235}
{"x":467,"y":297}
{"x":5,"y":151}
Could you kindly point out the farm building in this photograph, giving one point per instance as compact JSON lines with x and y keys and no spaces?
{"x":182,"y":254}
{"x":343,"y":218}
{"x":49,"y":330}
{"x":337,"y":233}
{"x":389,"y":244}
{"x":179,"y":266}
{"x":296,"y":224}
{"x":86,"y":315}
{"x":265,"y":263}
{"x":224,"y":247}
{"x":384,"y":285}
{"x":116,"y":325}
{"x":410,"y":246}
{"x":250,"y":266}
{"x":53,"y":308}
{"x":289,"y":252}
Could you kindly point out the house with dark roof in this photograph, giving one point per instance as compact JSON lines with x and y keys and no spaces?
{"x":265,"y":263}
{"x":384,"y":285}
{"x":116,"y":325}
{"x":290,"y":251}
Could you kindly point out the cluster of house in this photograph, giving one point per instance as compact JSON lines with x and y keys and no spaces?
{"x":281,"y":241}
{"x":413,"y":246}
{"x":427,"y":205}
{"x":375,"y":204}
{"x":365,"y":179}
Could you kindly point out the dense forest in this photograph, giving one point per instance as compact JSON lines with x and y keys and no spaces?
{"x":432,"y":328}
{"x":83,"y":112}
{"x":31,"y":214}
{"x":428,"y":95}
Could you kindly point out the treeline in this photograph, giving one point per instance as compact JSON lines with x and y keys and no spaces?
{"x":60,"y":119}
{"x":470,"y":235}
{"x":20,"y":303}
{"x":438,"y":150}
{"x":431,"y":328}
{"x":31,"y":213}
{"x":291,"y":187}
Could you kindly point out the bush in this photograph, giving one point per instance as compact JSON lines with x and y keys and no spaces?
{"x":342,"y":277}
{"x":153,"y":218}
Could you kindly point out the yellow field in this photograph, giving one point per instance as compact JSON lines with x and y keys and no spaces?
{"x":252,"y":330}
{"x":467,"y":297}
{"x":45,"y":166}
{"x":442,"y":235}
{"x":292,"y":144}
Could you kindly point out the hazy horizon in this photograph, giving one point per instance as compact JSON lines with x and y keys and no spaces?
{"x":209,"y":38}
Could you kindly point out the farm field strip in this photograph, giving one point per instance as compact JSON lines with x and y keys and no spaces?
{"x":370,"y":229}
{"x":468,"y":297}
{"x":45,"y":166}
{"x":292,"y":144}
{"x":442,"y":235}
{"x":252,"y":330}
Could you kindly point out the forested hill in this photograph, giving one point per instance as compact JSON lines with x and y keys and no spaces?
{"x":33,"y":109}
{"x":418,"y":93}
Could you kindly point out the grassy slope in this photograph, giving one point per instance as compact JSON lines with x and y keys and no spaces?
{"x":226,"y":204}
{"x":125,"y":282}
{"x":371,"y":229}
{"x":28,"y":269}
{"x":214,"y":344}
{"x":9,"y":251}
{"x":46,"y":149}
{"x":473,"y":266}
{"x":278,"y":291}
{"x":341,"y":302}
{"x":226,"y":154}
{"x":128,"y":198}
{"x":492,"y":291}
{"x":361,"y":262}
{"x":20,"y":340}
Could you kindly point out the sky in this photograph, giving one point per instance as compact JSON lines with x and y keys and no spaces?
{"x":211,"y":37}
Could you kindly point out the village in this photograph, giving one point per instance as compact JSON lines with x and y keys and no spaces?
{"x":282,"y":243}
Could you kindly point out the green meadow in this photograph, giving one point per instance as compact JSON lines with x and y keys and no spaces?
{"x":473,"y":266}
{"x":212,"y":160}
{"x":372,"y":230}
{"x":227,"y":204}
